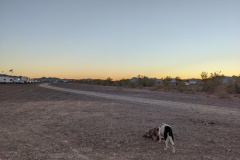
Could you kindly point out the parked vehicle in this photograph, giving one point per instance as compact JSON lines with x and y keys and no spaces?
{"x":6,"y":79}
{"x":25,"y":79}
{"x":16,"y":80}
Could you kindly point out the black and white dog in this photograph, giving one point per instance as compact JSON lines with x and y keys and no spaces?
{"x":166,"y":132}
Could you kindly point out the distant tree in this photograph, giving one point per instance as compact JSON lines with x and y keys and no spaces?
{"x":109,"y":81}
{"x":140,"y":81}
{"x":204,"y":75}
{"x":178,"y":80}
{"x":212,"y":83}
{"x":167,"y":81}
{"x":216,"y":74}
{"x":237,"y":84}
{"x":124,"y":82}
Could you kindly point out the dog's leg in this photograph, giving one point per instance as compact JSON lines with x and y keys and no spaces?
{"x":171,"y":140}
{"x":166,"y":138}
{"x":166,"y":142}
{"x":160,"y":138}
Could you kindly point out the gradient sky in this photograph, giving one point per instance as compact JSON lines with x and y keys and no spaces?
{"x":119,"y":38}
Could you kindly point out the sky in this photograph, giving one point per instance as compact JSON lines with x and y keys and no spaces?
{"x":119,"y":38}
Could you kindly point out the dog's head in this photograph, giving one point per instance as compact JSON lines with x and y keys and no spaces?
{"x":151,"y":132}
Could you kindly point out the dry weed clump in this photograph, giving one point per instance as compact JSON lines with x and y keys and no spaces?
{"x":180,"y":87}
{"x":221,"y":92}
{"x":193,"y":88}
{"x":156,"y":87}
{"x":231,"y":87}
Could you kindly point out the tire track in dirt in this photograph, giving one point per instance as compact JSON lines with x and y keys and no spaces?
{"x":176,"y":105}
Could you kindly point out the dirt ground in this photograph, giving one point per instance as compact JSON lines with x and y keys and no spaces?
{"x":107,"y":123}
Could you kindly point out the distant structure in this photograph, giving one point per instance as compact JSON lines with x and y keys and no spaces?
{"x":4,"y":78}
{"x":52,"y":80}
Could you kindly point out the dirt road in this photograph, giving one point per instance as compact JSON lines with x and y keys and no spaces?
{"x":173,"y":105}
{"x":73,"y":121}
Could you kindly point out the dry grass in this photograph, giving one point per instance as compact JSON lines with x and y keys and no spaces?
{"x":221,"y":92}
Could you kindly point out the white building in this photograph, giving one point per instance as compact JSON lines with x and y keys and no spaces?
{"x":6,"y":79}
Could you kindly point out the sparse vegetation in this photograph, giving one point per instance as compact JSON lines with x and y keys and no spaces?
{"x":210,"y":84}
{"x":233,"y":86}
{"x":221,"y":91}
{"x":216,"y":83}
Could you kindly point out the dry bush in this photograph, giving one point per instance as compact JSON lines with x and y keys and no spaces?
{"x":164,"y":87}
{"x":156,"y":87}
{"x":233,"y":86}
{"x":167,"y":81}
{"x":237,"y":84}
{"x":182,"y":87}
{"x":222,"y":92}
{"x":212,"y":83}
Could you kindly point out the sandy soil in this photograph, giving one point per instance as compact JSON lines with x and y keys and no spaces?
{"x":96,"y":122}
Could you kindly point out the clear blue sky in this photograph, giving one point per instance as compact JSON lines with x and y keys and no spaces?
{"x":119,"y":39}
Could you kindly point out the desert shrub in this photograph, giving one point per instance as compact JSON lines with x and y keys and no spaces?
{"x":233,"y":86}
{"x":124,"y":82}
{"x":221,"y":91}
{"x":167,"y":85}
{"x":96,"y":82}
{"x":156,"y":87}
{"x":133,"y":85}
{"x":204,"y":75}
{"x":144,"y":81}
{"x":108,"y":81}
{"x":230,"y":87}
{"x":237,"y":84}
{"x":212,"y":83}
{"x":167,"y":81}
{"x":178,"y":80}
{"x":181,"y":86}
{"x":149,"y":82}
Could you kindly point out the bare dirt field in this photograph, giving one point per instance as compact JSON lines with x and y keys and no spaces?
{"x":74,"y":121}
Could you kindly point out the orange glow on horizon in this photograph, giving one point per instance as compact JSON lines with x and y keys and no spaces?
{"x":114,"y":76}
